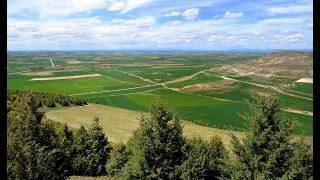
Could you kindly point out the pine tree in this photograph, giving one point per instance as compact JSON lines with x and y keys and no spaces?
{"x":118,"y":158}
{"x":205,"y":160}
{"x":33,"y":149}
{"x":268,"y":151}
{"x":156,"y":146}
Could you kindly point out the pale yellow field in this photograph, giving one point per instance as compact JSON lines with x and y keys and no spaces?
{"x":65,"y":77}
{"x":305,"y":80}
{"x":119,"y":124}
{"x":74,"y":62}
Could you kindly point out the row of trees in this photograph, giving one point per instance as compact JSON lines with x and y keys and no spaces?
{"x":157,"y":149}
{"x":37,"y":68}
{"x":46,"y":99}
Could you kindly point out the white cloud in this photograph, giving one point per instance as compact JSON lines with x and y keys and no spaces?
{"x":289,"y":32}
{"x":291,"y":9}
{"x":133,"y":4}
{"x":289,"y":38}
{"x":187,"y":41}
{"x":282,"y":20}
{"x":310,"y":26}
{"x":117,"y":20}
{"x":173,"y":23}
{"x":117,"y":6}
{"x":173,"y":13}
{"x":52,"y":8}
{"x":190,"y":14}
{"x":142,"y":22}
{"x":229,"y":14}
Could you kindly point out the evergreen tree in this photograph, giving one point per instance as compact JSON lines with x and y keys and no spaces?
{"x":268,"y":151}
{"x":33,"y":150}
{"x":50,"y":103}
{"x":91,"y":149}
{"x":205,"y":160}
{"x":156,"y":146}
{"x":118,"y":158}
{"x":98,"y":153}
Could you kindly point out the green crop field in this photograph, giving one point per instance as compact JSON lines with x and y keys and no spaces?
{"x":134,"y":79}
{"x":303,"y":87}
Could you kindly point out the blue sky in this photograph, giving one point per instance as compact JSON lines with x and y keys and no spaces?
{"x":159,"y":24}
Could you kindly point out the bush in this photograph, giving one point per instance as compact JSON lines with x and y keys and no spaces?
{"x":205,"y":160}
{"x":64,"y":103}
{"x":50,"y":103}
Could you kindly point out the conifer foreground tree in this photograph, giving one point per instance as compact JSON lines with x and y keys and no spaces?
{"x":91,"y":149}
{"x":156,"y":146}
{"x":33,"y":150}
{"x":269,"y":151}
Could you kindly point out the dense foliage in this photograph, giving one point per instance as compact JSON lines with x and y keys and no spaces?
{"x":268,"y":150}
{"x":40,"y":149}
{"x":47,"y":99}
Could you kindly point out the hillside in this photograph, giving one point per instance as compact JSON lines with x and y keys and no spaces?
{"x":281,"y":63}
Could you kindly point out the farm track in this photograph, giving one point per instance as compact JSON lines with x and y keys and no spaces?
{"x":193,"y":75}
{"x":144,"y":79}
{"x":263,"y":86}
{"x":98,"y":92}
{"x":19,"y":72}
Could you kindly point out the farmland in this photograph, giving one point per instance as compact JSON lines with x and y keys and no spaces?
{"x":196,"y":85}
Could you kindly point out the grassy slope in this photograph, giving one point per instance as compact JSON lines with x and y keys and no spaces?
{"x":119,"y":124}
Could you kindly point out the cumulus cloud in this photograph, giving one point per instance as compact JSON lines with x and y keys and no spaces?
{"x":51,"y":8}
{"x":117,"y":6}
{"x":282,"y":20}
{"x":291,"y":9}
{"x":289,"y":32}
{"x":173,"y":13}
{"x":190,"y":14}
{"x":229,"y":14}
{"x":133,"y":4}
{"x":289,"y":38}
{"x":142,"y":22}
{"x":173,"y":23}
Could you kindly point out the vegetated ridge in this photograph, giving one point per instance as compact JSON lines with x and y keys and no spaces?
{"x":282,"y":63}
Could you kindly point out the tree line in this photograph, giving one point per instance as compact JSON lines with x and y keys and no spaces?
{"x":41,"y":149}
{"x":46,"y":99}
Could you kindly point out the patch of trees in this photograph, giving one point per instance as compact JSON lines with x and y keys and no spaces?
{"x":40,"y":149}
{"x":47,"y":99}
{"x":37,"y":68}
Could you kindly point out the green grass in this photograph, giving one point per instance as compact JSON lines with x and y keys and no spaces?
{"x":203,"y":109}
{"x":303,"y":87}
{"x":161,"y":74}
{"x":70,"y":73}
{"x":120,"y":92}
{"x":112,"y":72}
{"x":69,"y":86}
{"x":200,"y":78}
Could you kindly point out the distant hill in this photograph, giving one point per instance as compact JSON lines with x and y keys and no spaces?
{"x":287,"y":63}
